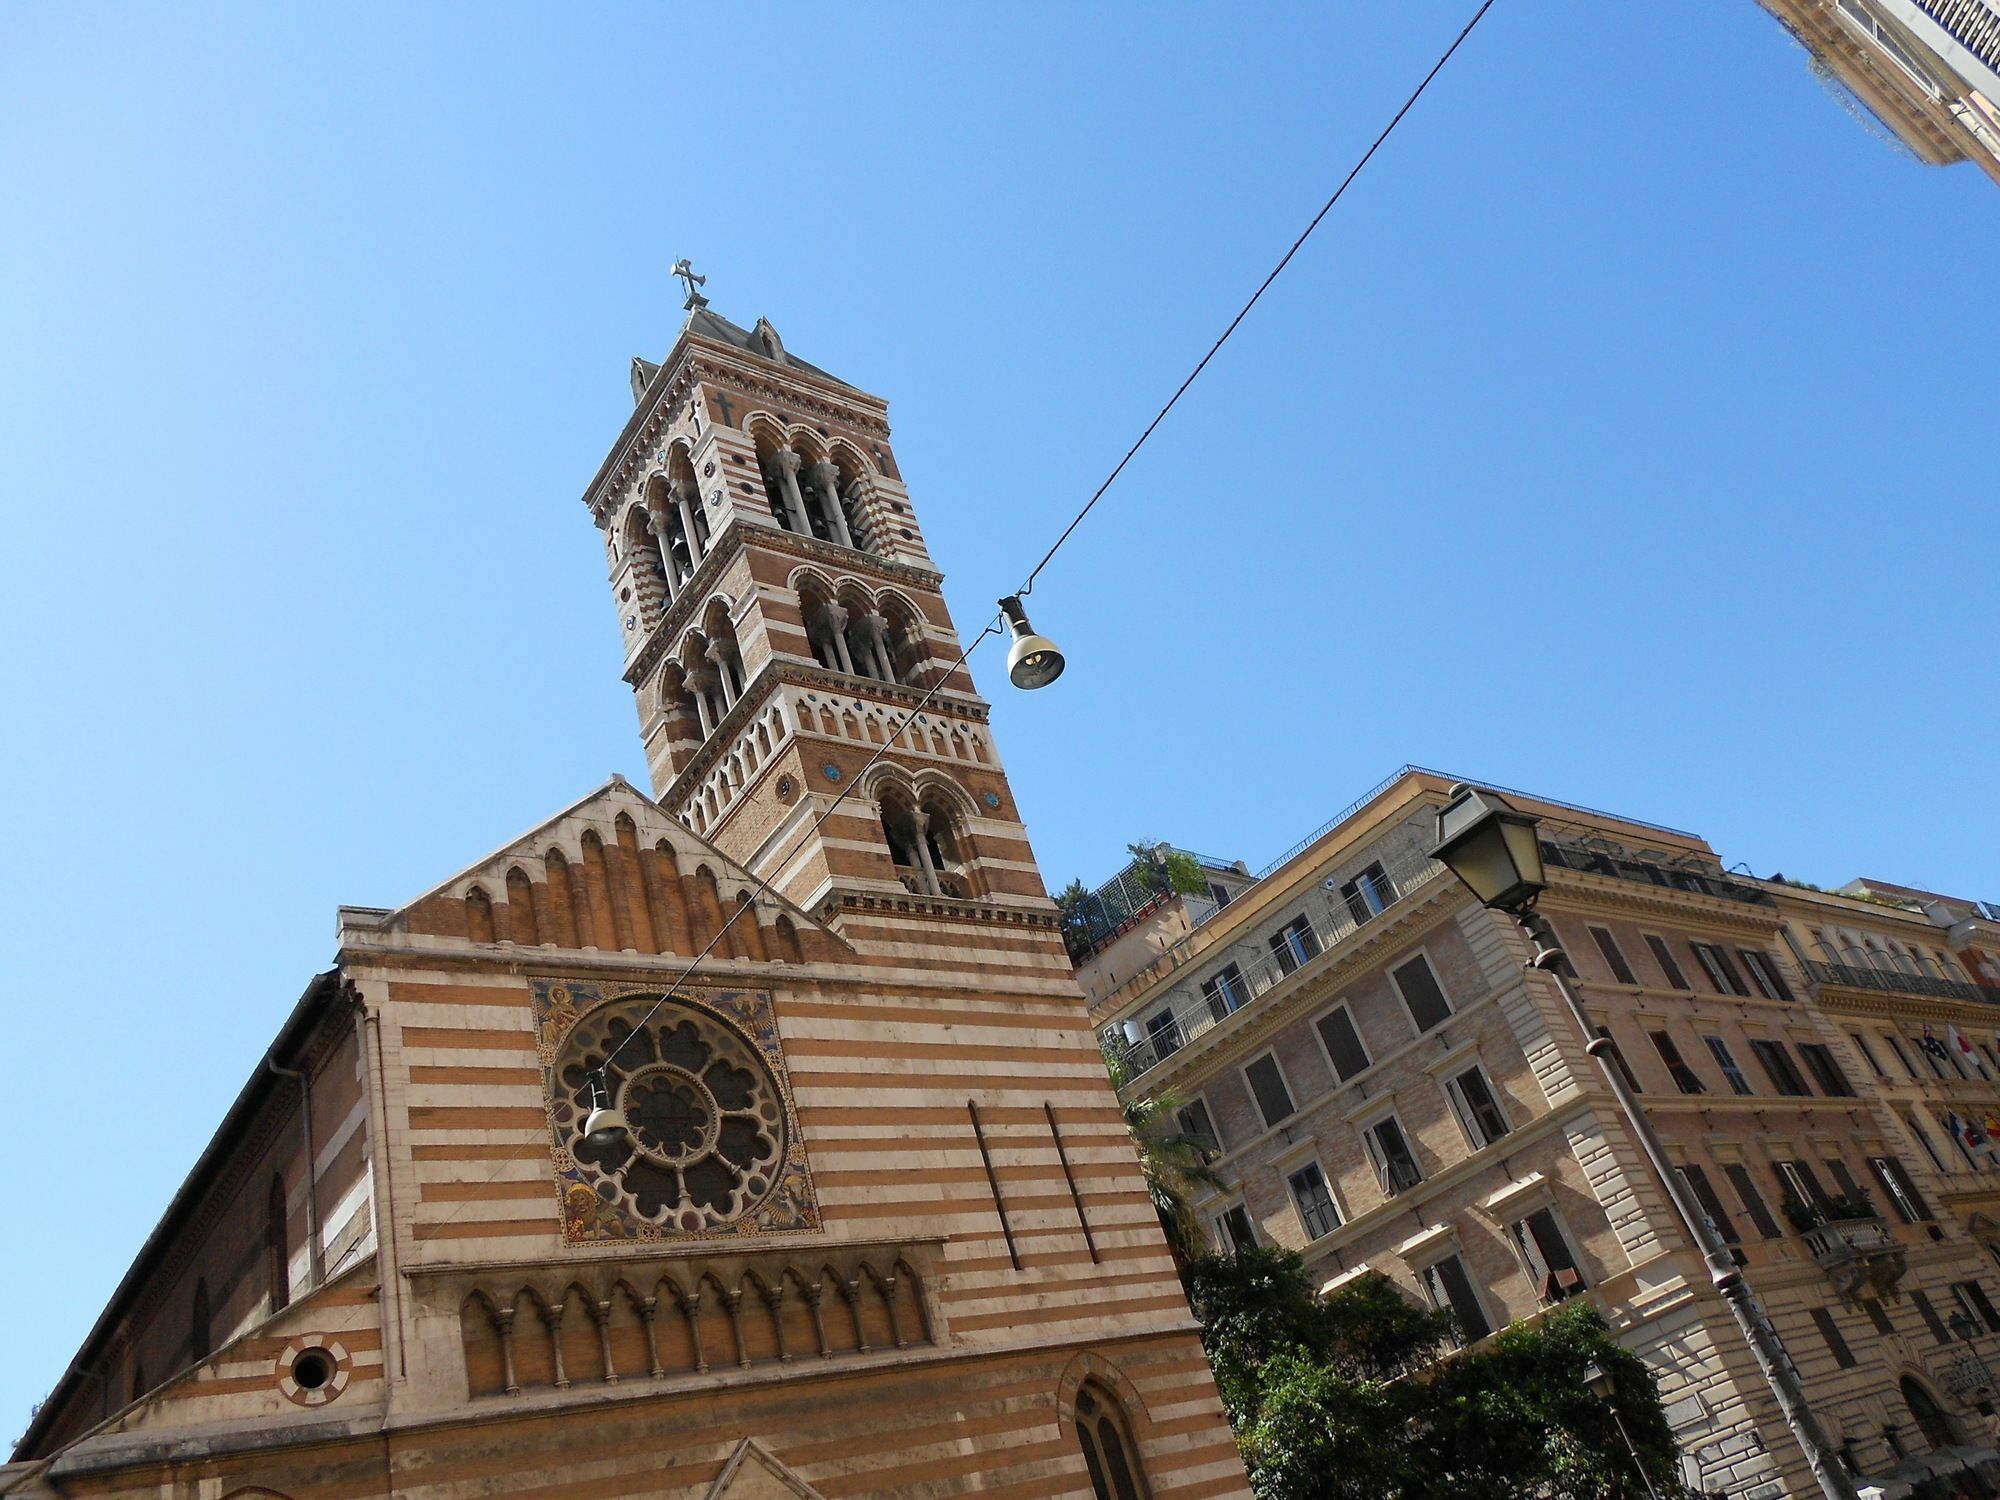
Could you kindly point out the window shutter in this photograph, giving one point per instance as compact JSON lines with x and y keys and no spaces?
{"x":1274,"y":1100}
{"x":1343,"y":1043}
{"x":1421,"y":992}
{"x":1752,"y":1200}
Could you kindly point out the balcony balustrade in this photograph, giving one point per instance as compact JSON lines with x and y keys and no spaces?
{"x":1900,"y":983}
{"x":1857,"y":1254}
{"x":1144,"y":1046}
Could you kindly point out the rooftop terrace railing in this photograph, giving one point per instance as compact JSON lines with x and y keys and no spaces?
{"x":1621,"y":866}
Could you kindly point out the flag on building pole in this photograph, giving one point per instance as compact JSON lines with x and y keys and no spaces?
{"x":1931,"y":1043}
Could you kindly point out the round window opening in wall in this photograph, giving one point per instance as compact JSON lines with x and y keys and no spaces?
{"x":707,"y":1124}
{"x":312,"y":1369}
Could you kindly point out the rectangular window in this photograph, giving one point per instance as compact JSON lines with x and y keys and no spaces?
{"x":1618,"y":1059}
{"x":1722,"y":975}
{"x":1395,"y":1165}
{"x":1342,"y":1043}
{"x":1447,"y":1285}
{"x":1711,"y":1204}
{"x":1825,"y":1070}
{"x":1878,"y":1315}
{"x":1765,"y":974}
{"x":1900,"y":1189}
{"x":1294,"y":944}
{"x":1902,"y":1056}
{"x":1274,"y":1100}
{"x":1368,"y":894}
{"x":1972,"y":1297}
{"x":1830,"y":1331}
{"x":1219,"y":894}
{"x":1777,"y":1065}
{"x":1421,"y":993}
{"x":1225,"y":991}
{"x":1752,"y":1200}
{"x":1608,"y":946}
{"x":1552,"y":1268}
{"x":1930,"y":1317}
{"x":1478,"y":1111}
{"x":1685,"y":1078}
{"x":1314,"y":1202}
{"x":1931,"y":1048}
{"x":1663,"y":956}
{"x":1232,"y":1227}
{"x":1726,"y":1060}
{"x":1868,"y":1057}
{"x":1196,"y":1126}
{"x":1924,"y":1140}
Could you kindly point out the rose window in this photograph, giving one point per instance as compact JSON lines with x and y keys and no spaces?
{"x":707,"y":1124}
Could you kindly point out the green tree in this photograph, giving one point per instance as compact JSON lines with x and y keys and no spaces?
{"x":1357,"y":1397}
{"x":1174,"y":1163}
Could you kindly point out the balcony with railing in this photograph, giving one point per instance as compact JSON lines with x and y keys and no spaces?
{"x":1142,"y":1046}
{"x":1899,"y":982}
{"x":1857,"y":1255}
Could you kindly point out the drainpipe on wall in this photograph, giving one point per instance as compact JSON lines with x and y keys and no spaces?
{"x":315,"y":1268}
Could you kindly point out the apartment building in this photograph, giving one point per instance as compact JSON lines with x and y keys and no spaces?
{"x":1928,"y":71}
{"x":1388,"y":1088}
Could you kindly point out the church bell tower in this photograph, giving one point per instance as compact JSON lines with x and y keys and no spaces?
{"x":781,"y":617}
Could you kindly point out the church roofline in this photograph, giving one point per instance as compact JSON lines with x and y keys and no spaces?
{"x":356,"y":920}
{"x":669,"y":370}
{"x":309,"y":1012}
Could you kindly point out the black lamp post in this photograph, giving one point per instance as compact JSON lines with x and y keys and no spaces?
{"x":1493,"y":848}
{"x":1597,"y":1380}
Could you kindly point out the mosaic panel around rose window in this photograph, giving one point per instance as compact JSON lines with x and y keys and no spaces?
{"x":714,"y":1147}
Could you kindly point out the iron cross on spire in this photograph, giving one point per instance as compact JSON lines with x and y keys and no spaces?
{"x":686,"y":273}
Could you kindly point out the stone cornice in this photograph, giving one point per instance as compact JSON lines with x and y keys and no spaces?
{"x":938,"y":908}
{"x":1579,"y":891}
{"x":783,"y":672}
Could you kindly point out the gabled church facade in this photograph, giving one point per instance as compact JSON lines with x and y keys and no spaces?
{"x":874,"y":1227}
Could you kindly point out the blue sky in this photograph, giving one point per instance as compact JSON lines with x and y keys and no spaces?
{"x":1624,"y":435}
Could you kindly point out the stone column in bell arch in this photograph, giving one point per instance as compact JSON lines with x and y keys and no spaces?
{"x":826,"y":479}
{"x":920,"y":822}
{"x":686,"y":496}
{"x":717,"y":656}
{"x":663,"y":538}
{"x":786,"y":463}
{"x":876,"y":631}
{"x":836,"y":625}
{"x":699,"y":693}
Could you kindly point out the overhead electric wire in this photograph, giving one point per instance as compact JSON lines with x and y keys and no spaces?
{"x":1262,"y":287}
